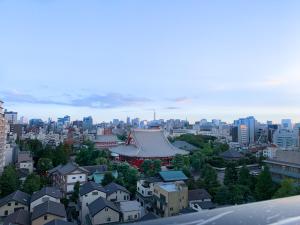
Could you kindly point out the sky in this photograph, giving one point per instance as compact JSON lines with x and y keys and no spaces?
{"x":183,"y":59}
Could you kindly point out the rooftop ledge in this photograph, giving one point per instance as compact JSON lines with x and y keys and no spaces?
{"x":284,"y":211}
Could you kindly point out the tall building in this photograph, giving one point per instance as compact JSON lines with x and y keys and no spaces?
{"x":285,"y":138}
{"x":286,"y":124}
{"x":243,"y":135}
{"x":251,"y":124}
{"x":2,"y":138}
{"x":11,"y":117}
{"x":87,"y":123}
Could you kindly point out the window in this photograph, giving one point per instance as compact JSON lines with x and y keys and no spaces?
{"x":6,"y":213}
{"x":125,"y":197}
{"x":94,"y":193}
{"x":80,"y":176}
{"x":171,"y":209}
{"x":106,"y":209}
{"x":73,"y":178}
{"x":108,"y":219}
{"x":9,"y":204}
{"x":45,"y":217}
{"x":86,"y":204}
{"x":135,"y":216}
{"x":16,"y":203}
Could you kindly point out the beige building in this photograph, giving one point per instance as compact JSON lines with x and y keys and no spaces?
{"x":13,"y":202}
{"x":116,"y":193}
{"x":47,"y":212}
{"x":170,"y":198}
{"x":45,"y":194}
{"x":103,"y":211}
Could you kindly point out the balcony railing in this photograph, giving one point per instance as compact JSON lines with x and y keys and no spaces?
{"x":279,"y":211}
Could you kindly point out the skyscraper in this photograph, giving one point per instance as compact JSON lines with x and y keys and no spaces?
{"x":11,"y":117}
{"x":251,"y":124}
{"x":87,"y":123}
{"x":2,"y":138}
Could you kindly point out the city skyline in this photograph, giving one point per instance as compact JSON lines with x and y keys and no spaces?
{"x":185,"y":60}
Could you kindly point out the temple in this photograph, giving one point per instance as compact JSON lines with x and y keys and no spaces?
{"x":146,"y":144}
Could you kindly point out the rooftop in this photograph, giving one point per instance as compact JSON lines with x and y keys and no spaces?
{"x":148,"y":143}
{"x":130,"y":206}
{"x":49,"y":207}
{"x":20,"y":217}
{"x":17,"y":196}
{"x":50,"y":191}
{"x":172,"y":175}
{"x":99,"y":204}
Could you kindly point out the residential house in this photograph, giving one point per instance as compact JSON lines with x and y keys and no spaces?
{"x":47,"y":212}
{"x":25,"y":161}
{"x":131,"y":211}
{"x":65,"y":176}
{"x":170,"y":198}
{"x":13,"y":202}
{"x":200,"y":199}
{"x":45,"y":194}
{"x":59,"y":222}
{"x":88,"y":193}
{"x":103,"y":211}
{"x":144,"y":192}
{"x":20,"y":217}
{"x":116,"y":192}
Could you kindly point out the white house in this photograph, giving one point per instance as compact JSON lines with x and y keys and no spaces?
{"x":131,"y":211}
{"x":66,"y":176}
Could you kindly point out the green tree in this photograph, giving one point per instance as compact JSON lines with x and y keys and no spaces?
{"x":287,"y":188}
{"x":151,"y":167}
{"x":108,"y":178}
{"x":75,"y":194}
{"x":231,"y":175}
{"x":32,"y":183}
{"x":9,"y":181}
{"x":101,"y":161}
{"x":222,"y":196}
{"x":180,"y":161}
{"x":210,"y":179}
{"x":43,"y":165}
{"x":264,"y":185}
{"x":244,"y":177}
{"x":197,"y":160}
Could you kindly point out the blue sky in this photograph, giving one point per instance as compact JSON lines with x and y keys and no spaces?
{"x":186,"y":59}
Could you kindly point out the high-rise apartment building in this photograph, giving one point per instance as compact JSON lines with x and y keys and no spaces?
{"x":11,"y":117}
{"x":2,"y":138}
{"x":87,"y":123}
{"x":251,"y":124}
{"x":286,"y":124}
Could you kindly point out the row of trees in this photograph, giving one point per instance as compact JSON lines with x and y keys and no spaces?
{"x":9,"y":182}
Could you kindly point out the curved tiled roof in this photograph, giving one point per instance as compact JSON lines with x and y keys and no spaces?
{"x":148,"y":143}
